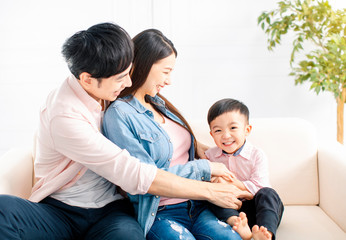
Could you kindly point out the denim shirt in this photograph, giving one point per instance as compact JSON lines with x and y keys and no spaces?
{"x":131,"y":126}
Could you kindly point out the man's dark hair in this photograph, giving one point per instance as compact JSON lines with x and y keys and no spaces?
{"x":227,"y":105}
{"x":103,"y":50}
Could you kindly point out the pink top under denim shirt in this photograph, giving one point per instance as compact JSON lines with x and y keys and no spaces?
{"x":181,"y":141}
{"x":69,"y":142}
{"x":250,"y":165}
{"x":146,"y":139}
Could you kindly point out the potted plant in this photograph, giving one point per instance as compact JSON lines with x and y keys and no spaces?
{"x":314,"y":23}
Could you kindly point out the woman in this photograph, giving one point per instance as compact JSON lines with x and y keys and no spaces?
{"x":152,"y":129}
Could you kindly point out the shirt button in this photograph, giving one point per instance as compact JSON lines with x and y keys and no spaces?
{"x":157,"y":196}
{"x":152,"y":214}
{"x":202,"y":178}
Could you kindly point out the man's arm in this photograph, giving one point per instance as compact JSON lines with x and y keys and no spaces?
{"x":169,"y":185}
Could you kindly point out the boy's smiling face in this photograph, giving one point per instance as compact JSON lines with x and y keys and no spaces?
{"x":230,"y":130}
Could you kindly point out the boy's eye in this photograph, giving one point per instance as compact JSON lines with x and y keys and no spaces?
{"x":233,"y":128}
{"x":216,"y":131}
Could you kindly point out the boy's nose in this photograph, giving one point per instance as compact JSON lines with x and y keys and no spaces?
{"x":226,"y":134}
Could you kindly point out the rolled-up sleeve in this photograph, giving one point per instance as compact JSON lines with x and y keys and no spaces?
{"x":76,"y":139}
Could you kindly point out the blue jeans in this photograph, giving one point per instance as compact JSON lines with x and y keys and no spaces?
{"x":189,"y":220}
{"x":51,"y":219}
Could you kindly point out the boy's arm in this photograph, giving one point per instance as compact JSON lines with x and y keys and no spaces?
{"x":260,"y":173}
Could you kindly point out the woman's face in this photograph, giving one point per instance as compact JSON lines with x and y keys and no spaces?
{"x":159,"y":76}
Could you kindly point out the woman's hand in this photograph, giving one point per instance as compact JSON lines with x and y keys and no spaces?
{"x":201,"y":149}
{"x":220,"y":170}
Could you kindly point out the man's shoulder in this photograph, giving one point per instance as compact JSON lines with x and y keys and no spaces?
{"x":63,"y":100}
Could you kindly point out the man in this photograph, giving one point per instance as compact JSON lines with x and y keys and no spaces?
{"x":77,"y":168}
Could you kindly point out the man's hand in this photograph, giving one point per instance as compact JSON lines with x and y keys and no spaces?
{"x":243,"y":192}
{"x":225,"y":195}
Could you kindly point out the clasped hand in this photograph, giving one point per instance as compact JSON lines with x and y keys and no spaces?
{"x":220,"y":174}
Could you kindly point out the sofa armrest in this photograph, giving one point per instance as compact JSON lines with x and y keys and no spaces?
{"x":16,"y":172}
{"x":332,"y":179}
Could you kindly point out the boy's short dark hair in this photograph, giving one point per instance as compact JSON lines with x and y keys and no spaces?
{"x":102,"y":50}
{"x":227,"y":105}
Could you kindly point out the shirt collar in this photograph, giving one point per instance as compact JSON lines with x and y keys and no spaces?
{"x":88,"y":101}
{"x":237,"y":152}
{"x":133,"y":101}
{"x":244,"y":151}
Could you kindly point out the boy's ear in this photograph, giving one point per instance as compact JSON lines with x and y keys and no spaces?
{"x":210,"y":133}
{"x":248,"y":129}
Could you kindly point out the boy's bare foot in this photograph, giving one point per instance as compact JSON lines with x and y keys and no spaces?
{"x":241,"y":226}
{"x":261,"y":233}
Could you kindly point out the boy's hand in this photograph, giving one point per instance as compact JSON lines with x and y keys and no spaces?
{"x":245,"y":195}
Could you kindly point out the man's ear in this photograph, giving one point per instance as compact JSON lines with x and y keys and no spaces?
{"x":248,"y":129}
{"x":85,"y":80}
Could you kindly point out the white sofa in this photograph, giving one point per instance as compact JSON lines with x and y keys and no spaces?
{"x":310,"y":178}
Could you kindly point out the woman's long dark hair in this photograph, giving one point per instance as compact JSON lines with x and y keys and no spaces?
{"x":150,"y":46}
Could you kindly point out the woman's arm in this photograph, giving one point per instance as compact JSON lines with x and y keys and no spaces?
{"x":121,"y":128}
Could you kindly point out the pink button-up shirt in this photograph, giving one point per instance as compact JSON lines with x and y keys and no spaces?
{"x":69,"y":142}
{"x":250,"y":166}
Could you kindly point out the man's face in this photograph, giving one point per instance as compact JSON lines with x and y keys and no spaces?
{"x":109,"y":88}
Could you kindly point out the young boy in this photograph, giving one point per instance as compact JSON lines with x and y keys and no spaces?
{"x":229,"y":126}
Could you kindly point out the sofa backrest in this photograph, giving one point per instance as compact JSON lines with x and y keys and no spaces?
{"x":291,"y":147}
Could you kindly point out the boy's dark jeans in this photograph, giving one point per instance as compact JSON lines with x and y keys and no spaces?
{"x":265,"y":209}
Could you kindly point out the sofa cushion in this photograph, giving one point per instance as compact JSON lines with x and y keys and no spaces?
{"x":307,"y":222}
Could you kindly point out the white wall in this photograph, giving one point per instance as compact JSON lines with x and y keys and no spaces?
{"x":221,"y":53}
